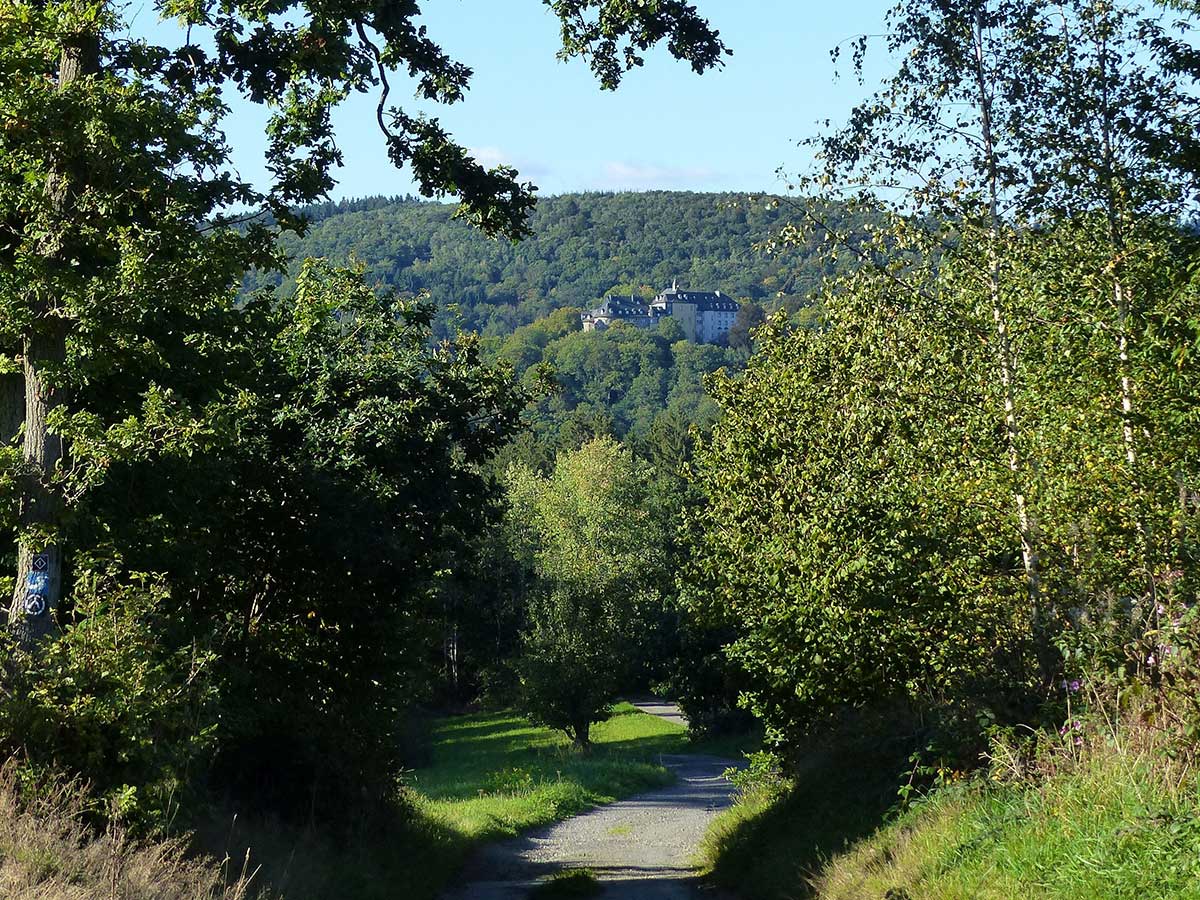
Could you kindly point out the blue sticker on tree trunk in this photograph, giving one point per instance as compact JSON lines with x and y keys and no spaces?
{"x":41,"y":562}
{"x":34,"y":605}
{"x":37,"y":584}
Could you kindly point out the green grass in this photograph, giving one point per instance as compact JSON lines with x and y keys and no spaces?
{"x":1117,"y":825}
{"x":494,"y":775}
{"x":778,"y":835}
{"x":568,"y":883}
{"x":1115,"y":819}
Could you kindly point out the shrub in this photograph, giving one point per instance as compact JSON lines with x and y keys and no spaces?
{"x":114,"y":699}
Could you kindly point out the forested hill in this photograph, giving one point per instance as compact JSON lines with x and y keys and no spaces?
{"x":582,"y":246}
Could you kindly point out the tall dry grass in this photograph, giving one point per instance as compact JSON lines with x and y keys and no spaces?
{"x":48,"y":853}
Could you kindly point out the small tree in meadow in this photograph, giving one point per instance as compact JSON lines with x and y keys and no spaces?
{"x":594,"y":547}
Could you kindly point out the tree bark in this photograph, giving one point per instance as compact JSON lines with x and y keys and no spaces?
{"x":1116,"y":239}
{"x":1006,"y":364}
{"x":38,"y":587}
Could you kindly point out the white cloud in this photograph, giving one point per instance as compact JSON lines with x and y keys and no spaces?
{"x":639,"y":176}
{"x":489,"y":157}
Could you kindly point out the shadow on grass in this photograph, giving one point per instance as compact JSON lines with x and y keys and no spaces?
{"x":608,"y":771}
{"x":770,"y":846}
{"x":396,"y":851}
{"x":493,"y":754}
{"x":567,"y":883}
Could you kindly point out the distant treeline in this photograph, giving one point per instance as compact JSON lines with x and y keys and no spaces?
{"x":582,"y":247}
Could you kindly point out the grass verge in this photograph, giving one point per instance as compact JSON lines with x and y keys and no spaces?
{"x":779,"y":833}
{"x":1116,"y":816}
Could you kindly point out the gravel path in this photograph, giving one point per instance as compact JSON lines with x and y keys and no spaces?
{"x":662,"y":709}
{"x":640,"y":848}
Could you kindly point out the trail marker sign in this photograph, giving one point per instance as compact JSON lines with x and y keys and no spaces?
{"x":37,"y":589}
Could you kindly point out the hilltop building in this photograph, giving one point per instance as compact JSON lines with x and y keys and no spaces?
{"x":706,"y":316}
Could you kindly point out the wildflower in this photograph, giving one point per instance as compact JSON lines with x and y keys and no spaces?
{"x":1074,"y":686}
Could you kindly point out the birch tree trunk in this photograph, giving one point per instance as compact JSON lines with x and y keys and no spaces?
{"x":1005,"y":357}
{"x":1116,"y":239}
{"x":38,"y":587}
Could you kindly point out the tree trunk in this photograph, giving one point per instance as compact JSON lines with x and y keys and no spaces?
{"x":1121,"y":300}
{"x":38,"y":587}
{"x":1116,"y":239}
{"x":1004,"y":353}
{"x":1122,"y":295}
{"x":582,"y":735}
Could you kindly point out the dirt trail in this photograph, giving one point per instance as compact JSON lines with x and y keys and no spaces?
{"x":640,"y":848}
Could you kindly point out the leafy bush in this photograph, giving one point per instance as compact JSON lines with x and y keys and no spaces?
{"x":124,"y":698}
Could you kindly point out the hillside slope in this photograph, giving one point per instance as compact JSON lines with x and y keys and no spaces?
{"x":582,"y":246}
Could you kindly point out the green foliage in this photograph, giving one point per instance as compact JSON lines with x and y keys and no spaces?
{"x":307,"y":457}
{"x":856,"y":488}
{"x":981,"y":451}
{"x":124,"y":695}
{"x":596,"y":549}
{"x":580,"y":248}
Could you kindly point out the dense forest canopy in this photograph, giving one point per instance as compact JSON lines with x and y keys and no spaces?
{"x":580,"y":247}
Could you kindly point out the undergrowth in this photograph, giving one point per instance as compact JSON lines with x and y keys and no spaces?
{"x":47,"y":853}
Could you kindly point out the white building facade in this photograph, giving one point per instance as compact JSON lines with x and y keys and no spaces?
{"x":706,"y":316}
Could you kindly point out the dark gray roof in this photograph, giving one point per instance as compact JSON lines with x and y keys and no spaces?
{"x":707,"y":301}
{"x":621,"y":307}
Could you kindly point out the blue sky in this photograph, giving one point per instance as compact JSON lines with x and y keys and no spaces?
{"x":665,"y":128}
